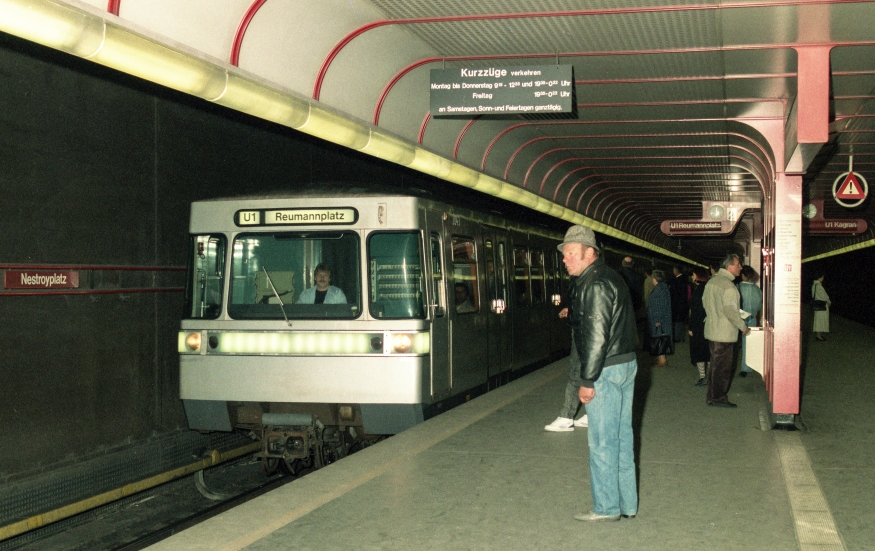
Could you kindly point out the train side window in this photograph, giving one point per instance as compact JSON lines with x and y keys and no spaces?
{"x":206,"y":277}
{"x":521,"y":275}
{"x":536,"y":269}
{"x":465,"y":281}
{"x":437,"y":271}
{"x":396,"y":284}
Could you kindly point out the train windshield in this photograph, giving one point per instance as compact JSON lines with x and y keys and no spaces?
{"x":295,"y":275}
{"x":396,"y":284}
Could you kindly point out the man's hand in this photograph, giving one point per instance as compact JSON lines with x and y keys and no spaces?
{"x":586,"y":394}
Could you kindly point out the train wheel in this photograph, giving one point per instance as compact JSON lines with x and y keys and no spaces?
{"x":269,"y":465}
{"x":292,"y":466}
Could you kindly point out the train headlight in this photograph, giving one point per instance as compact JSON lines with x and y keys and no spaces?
{"x":402,"y":343}
{"x":189,"y":342}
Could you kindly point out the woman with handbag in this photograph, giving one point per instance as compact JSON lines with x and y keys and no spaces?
{"x":659,"y":322}
{"x":821,"y":304}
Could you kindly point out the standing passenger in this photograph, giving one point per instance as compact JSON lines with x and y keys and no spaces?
{"x":821,"y":310}
{"x":700,"y":354}
{"x":604,"y":337}
{"x":647,"y":287}
{"x":659,"y":322}
{"x":722,"y":325}
{"x":566,"y":421}
{"x":751,"y":302}
{"x":680,"y":303}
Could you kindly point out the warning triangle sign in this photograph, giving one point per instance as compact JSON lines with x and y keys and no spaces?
{"x":851,"y":188}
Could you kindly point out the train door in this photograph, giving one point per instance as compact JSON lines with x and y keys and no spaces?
{"x":499,"y":327}
{"x":441,"y":373}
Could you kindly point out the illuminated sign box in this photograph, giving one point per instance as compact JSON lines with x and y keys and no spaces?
{"x":31,"y":279}
{"x":695,"y":227}
{"x":502,"y":90}
{"x":297,"y":217}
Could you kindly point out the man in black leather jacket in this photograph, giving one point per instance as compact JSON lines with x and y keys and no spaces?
{"x":605,"y":338}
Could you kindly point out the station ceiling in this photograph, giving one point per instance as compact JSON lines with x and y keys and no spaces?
{"x":679,"y":105}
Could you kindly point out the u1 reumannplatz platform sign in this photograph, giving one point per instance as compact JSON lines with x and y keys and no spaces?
{"x":501,"y":90}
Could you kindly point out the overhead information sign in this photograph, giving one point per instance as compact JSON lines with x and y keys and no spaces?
{"x":40,"y":279}
{"x":297,"y":217}
{"x":502,"y":90}
{"x":695,"y":227}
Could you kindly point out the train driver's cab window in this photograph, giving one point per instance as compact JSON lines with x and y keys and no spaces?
{"x":465,"y":287}
{"x":207,"y":272}
{"x":296,"y":275}
{"x":395,"y":275}
{"x":537,"y":276}
{"x":521,"y":276}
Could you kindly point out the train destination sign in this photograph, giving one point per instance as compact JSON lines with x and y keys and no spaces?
{"x":835,"y":226}
{"x":695,"y":227}
{"x":40,"y":279}
{"x":297,"y":217}
{"x":501,"y":90}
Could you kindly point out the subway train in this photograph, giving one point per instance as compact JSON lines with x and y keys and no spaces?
{"x":317,"y":323}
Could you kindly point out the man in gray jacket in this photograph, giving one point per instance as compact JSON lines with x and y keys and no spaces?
{"x":722,"y":324}
{"x":605,"y":336}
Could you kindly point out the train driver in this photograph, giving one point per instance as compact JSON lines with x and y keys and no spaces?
{"x":463,"y":299}
{"x":323,"y":292}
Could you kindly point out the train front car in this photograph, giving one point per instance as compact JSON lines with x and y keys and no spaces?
{"x":306,"y":323}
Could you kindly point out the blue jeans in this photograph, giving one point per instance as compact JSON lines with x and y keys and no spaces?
{"x":572,"y":389}
{"x":611,"y":444}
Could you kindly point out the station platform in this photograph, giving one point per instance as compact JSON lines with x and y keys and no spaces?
{"x":486,"y":475}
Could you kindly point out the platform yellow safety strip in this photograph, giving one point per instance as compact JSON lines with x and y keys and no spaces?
{"x":37,"y":521}
{"x":814,"y":523}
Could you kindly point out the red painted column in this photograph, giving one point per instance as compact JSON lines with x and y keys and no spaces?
{"x":787,"y":294}
{"x":812,"y":87}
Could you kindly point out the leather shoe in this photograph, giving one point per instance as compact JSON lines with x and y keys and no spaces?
{"x":726,"y":404}
{"x":702,"y":382}
{"x":630,"y":517}
{"x":595,"y":517}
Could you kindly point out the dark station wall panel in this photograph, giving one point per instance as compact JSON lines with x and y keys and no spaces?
{"x":97,"y":172}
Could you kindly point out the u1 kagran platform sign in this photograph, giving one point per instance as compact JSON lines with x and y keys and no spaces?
{"x":501,"y":90}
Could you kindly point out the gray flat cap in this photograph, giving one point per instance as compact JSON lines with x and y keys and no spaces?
{"x":579,"y":234}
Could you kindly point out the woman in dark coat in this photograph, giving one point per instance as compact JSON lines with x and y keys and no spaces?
{"x":700,"y":355}
{"x":659,"y":319}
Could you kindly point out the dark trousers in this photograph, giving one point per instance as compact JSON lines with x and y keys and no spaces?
{"x":720,"y":373}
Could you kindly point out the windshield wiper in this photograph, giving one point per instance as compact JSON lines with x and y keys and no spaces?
{"x":277,"y":295}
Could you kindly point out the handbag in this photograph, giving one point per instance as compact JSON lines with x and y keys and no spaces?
{"x":660,"y":345}
{"x":819,"y":305}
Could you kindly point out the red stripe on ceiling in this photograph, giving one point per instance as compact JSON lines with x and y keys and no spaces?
{"x":112,"y":6}
{"x":462,"y":135}
{"x":423,"y":126}
{"x":241,"y":31}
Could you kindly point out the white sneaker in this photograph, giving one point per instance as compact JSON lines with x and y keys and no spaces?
{"x":561,"y":424}
{"x":582,"y":421}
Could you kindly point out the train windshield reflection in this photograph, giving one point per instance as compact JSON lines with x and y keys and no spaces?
{"x":295,"y":275}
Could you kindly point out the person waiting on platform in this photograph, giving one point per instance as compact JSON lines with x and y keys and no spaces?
{"x":751,"y":303}
{"x":323,"y":292}
{"x":821,"y":308}
{"x":463,"y":299}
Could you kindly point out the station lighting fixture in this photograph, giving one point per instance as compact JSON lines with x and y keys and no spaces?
{"x":86,"y":32}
